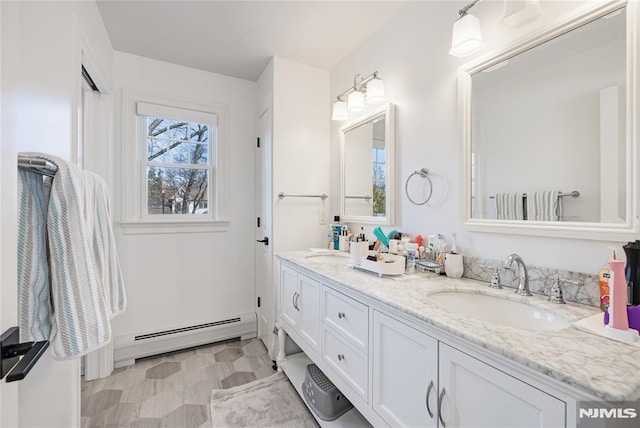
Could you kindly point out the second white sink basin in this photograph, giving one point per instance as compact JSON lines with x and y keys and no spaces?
{"x":499,"y":310}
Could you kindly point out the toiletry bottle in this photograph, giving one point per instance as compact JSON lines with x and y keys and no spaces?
{"x":632,"y":272}
{"x":411,"y":253}
{"x":603,"y":282}
{"x":618,"y":295}
{"x":336,"y":232}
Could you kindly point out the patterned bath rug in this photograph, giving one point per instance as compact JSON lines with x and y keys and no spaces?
{"x":268,"y":402}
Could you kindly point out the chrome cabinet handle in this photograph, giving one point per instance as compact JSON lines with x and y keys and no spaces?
{"x":427,"y":399}
{"x":340,"y":357}
{"x":296,"y":302}
{"x":293,"y":300}
{"x":440,"y":397}
{"x":341,"y":315}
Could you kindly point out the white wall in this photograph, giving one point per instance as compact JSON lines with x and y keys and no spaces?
{"x":300,"y":154}
{"x":41,"y":50}
{"x":411,"y":54}
{"x":180,"y":279}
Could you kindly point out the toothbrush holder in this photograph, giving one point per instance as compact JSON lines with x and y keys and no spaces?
{"x":453,"y":265}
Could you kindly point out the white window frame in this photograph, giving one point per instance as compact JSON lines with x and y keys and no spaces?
{"x":137,"y":106}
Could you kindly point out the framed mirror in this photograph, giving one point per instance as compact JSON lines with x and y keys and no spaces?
{"x":550,"y":130}
{"x":367,"y":156}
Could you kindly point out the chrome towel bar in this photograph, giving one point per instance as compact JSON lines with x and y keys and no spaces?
{"x":282,"y":195}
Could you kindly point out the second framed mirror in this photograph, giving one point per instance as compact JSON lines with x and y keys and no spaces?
{"x":368,"y":157}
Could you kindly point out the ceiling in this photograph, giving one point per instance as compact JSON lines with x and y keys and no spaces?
{"x":237,"y":38}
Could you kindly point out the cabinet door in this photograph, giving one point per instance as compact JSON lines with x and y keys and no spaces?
{"x":309,"y":311}
{"x":405,"y":374}
{"x":288,"y":295}
{"x":478,"y":395}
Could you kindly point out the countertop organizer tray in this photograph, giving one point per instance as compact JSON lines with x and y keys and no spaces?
{"x":389,"y":264}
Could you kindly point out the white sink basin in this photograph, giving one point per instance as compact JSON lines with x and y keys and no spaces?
{"x":499,"y":310}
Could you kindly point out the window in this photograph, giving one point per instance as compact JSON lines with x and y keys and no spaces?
{"x":379,"y":178}
{"x":178,"y":168}
{"x":173,"y":180}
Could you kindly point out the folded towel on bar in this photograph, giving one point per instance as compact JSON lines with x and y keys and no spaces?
{"x":544,"y":206}
{"x":509,"y":206}
{"x":86,"y":281}
{"x":34,"y":298}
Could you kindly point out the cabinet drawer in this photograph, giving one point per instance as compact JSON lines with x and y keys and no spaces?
{"x":351,"y":365}
{"x":347,"y":316}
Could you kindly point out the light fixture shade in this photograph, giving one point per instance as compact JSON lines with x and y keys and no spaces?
{"x":375,"y":91}
{"x":356,"y":101}
{"x":339,"y":111}
{"x":467,"y":36}
{"x":520,"y":12}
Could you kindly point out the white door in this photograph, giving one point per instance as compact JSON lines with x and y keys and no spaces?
{"x":405,"y":374}
{"x":50,"y":394}
{"x":476,"y":394}
{"x":265,"y":303}
{"x":309,"y":310}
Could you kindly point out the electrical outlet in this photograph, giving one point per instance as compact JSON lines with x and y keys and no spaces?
{"x":322,"y":217}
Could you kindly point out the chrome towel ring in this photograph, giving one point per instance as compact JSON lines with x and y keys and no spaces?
{"x":424,"y":173}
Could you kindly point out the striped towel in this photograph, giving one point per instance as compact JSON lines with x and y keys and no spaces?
{"x":509,"y":206}
{"x":104,"y":246}
{"x":544,"y":206}
{"x":34,"y":307}
{"x":86,"y":282}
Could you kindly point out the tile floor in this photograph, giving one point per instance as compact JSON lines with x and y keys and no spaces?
{"x":172,"y":390}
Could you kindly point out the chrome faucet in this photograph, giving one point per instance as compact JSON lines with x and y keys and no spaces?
{"x":523,"y":283}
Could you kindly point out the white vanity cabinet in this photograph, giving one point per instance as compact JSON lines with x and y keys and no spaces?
{"x":346,"y":339}
{"x":419,"y":381}
{"x":401,"y":373}
{"x":300,"y":304}
{"x":477,"y":394}
{"x":405,"y":374}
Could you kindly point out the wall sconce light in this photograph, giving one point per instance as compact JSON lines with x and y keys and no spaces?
{"x":520,"y":12}
{"x":369,"y":88}
{"x":467,"y":35}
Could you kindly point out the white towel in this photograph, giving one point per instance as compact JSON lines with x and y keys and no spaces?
{"x":34,"y":308}
{"x":509,"y":206}
{"x":544,"y":206}
{"x":104,"y":244}
{"x":86,"y":282}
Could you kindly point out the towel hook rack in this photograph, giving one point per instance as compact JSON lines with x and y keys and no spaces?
{"x":424,"y":173}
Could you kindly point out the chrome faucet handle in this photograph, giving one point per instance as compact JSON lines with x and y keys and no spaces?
{"x":494,"y":282}
{"x":556,"y":294}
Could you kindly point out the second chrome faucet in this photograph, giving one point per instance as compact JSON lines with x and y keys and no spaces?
{"x":523,"y":278}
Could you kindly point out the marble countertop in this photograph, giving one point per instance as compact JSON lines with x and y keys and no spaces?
{"x":605,"y":368}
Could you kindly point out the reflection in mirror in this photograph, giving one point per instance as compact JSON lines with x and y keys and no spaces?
{"x":548,"y":129}
{"x":367,"y":157}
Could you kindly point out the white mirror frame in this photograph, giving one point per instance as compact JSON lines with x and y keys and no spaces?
{"x":577,"y":230}
{"x":388,"y":111}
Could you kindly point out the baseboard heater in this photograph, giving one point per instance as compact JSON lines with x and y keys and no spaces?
{"x":128,"y":348}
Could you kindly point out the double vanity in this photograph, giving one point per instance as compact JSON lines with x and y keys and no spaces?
{"x":427,"y":350}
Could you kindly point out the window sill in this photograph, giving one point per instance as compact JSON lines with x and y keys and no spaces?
{"x":153,"y":227}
